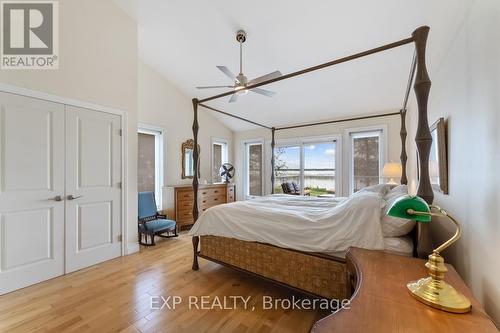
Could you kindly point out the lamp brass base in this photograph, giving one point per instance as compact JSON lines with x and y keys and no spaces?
{"x":444,"y":297}
{"x":434,"y":292}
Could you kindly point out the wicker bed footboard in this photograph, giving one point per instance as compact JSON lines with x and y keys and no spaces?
{"x":315,"y":274}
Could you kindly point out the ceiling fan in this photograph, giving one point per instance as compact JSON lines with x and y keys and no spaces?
{"x":240,"y":81}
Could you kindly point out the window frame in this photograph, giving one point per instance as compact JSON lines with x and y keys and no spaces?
{"x":224,"y":153}
{"x":246,"y":174}
{"x":304,"y":141}
{"x":349,"y":158}
{"x":160,"y":157}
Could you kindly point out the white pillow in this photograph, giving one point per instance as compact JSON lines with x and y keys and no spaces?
{"x":380,"y":189}
{"x":395,"y":226}
{"x":396,"y":192}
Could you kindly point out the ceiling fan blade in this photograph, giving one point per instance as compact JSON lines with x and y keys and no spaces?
{"x":233,"y":98}
{"x":266,"y":77}
{"x":210,"y":87}
{"x":228,"y":72}
{"x":264,"y":92}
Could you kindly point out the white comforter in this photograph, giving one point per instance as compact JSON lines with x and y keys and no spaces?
{"x":300,"y":223}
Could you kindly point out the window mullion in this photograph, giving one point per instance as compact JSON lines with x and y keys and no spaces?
{"x":301,"y":173}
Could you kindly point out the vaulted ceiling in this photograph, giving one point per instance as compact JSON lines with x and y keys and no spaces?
{"x":185,"y":40}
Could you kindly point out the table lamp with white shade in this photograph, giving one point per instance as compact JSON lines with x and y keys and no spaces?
{"x":392,"y":171}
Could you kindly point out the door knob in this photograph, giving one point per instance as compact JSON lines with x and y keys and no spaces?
{"x":71,"y":197}
{"x":57,"y":198}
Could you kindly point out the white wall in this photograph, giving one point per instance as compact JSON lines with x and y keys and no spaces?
{"x":466,"y":92}
{"x":393,"y":124}
{"x":98,"y":64}
{"x":162,"y":104}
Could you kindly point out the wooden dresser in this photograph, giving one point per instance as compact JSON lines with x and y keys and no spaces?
{"x":180,"y":200}
{"x":381,"y":302}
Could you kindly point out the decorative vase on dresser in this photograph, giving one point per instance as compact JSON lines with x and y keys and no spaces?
{"x":179,"y":200}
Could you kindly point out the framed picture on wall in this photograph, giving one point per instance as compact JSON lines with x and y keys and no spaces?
{"x":438,"y":159}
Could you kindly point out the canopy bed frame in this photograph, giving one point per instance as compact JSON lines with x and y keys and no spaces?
{"x":318,"y":274}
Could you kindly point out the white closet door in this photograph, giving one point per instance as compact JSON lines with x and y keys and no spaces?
{"x":93,"y":188}
{"x":31,"y":177}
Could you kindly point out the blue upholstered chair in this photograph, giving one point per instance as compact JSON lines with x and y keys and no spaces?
{"x":151,"y":223}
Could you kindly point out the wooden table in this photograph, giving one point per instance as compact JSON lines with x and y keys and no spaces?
{"x":381,"y":302}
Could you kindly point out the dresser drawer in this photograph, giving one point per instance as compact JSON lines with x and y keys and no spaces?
{"x":212,"y":192}
{"x":212,"y":200}
{"x":230,"y":194}
{"x":184,"y":214}
{"x":185,"y":196}
{"x":185,"y":204}
{"x":204,"y":208}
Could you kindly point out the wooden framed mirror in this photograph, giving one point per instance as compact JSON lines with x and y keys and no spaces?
{"x":438,"y":161}
{"x":187,"y":150}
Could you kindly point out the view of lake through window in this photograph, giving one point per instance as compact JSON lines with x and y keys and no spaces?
{"x":311,"y":166}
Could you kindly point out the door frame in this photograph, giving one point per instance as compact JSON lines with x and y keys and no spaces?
{"x":245,"y":144}
{"x":7,"y":88}
{"x":348,"y":155}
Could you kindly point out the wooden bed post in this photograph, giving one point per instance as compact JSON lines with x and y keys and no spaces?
{"x":404,"y":157}
{"x":273,"y":143}
{"x":423,"y":137}
{"x":196,"y":160}
{"x":196,"y":240}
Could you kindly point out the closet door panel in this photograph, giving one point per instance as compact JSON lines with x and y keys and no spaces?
{"x":31,"y":191}
{"x":93,"y":189}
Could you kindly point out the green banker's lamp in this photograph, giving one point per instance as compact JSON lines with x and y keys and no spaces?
{"x":432,"y":290}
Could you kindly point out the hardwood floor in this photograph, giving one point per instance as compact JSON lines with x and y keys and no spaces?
{"x":117,"y":296}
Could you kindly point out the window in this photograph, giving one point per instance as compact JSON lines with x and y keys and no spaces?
{"x":254,"y":169}
{"x":219,"y":157}
{"x":367,"y":158}
{"x":311,"y":164}
{"x":286,"y":166}
{"x":150,"y":161}
{"x":319,"y":168}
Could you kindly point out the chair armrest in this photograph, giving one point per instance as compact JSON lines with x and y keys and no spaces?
{"x":144,"y":223}
{"x":161,"y":216}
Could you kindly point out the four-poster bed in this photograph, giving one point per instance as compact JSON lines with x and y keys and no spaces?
{"x":316,"y":273}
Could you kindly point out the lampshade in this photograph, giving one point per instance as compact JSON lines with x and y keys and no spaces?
{"x":401,"y":206}
{"x":392,"y":170}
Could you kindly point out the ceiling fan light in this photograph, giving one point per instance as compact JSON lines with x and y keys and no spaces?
{"x":240,"y":81}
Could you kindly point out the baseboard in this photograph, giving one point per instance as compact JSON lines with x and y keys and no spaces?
{"x":132,"y":248}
